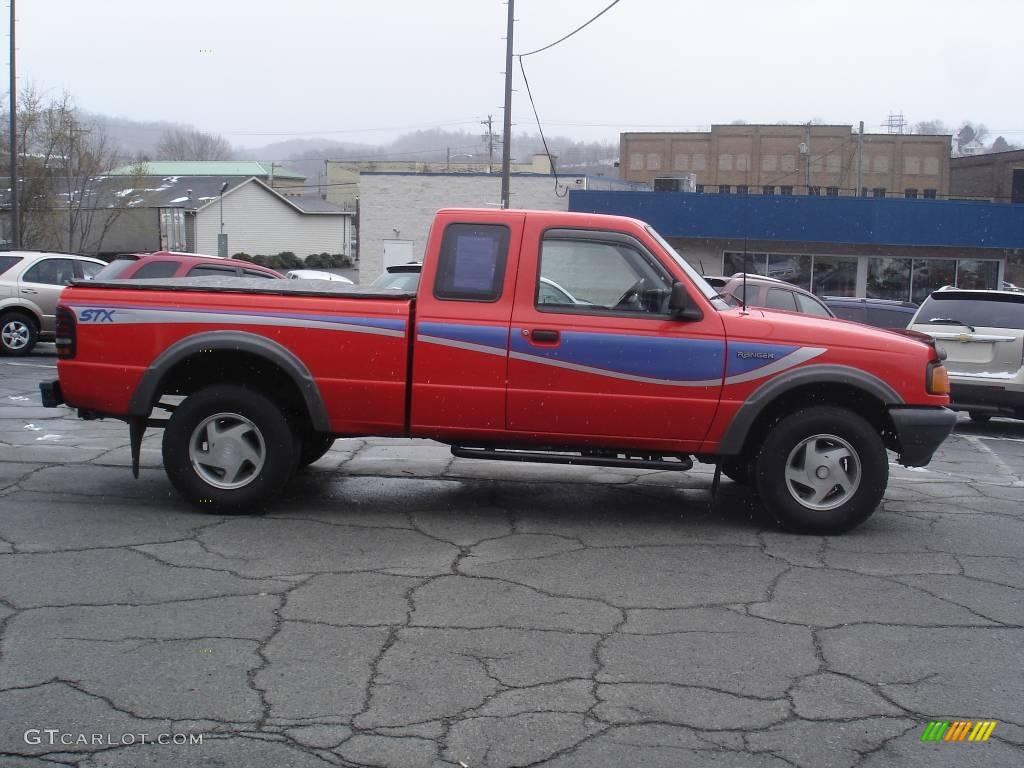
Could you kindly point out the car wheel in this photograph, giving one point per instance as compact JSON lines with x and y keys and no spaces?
{"x":313,"y":447}
{"x":822,"y":470}
{"x":229,"y":450}
{"x":18,"y":334}
{"x":980,"y":418}
{"x":737,"y":469}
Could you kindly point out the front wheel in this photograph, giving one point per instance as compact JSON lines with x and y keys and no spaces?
{"x":822,"y":470}
{"x":314,"y":445}
{"x":229,"y":450}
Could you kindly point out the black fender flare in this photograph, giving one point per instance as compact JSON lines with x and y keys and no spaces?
{"x":236,"y":341}
{"x":736,"y":433}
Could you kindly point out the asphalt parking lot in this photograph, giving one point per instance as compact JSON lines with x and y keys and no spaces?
{"x":403,"y":608}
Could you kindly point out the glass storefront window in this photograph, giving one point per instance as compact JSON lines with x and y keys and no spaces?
{"x":792,"y":269}
{"x":930,"y":275}
{"x":888,"y":278}
{"x":835,"y":276}
{"x":977,"y":273}
{"x":732,"y":262}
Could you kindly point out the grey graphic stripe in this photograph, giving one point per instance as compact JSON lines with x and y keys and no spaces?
{"x":500,"y":352}
{"x":162,"y":316}
{"x":801,"y":355}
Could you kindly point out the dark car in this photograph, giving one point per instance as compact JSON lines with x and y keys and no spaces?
{"x":881,"y":313}
{"x":770,"y":293}
{"x":142,"y":266}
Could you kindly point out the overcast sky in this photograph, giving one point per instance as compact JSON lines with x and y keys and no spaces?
{"x":367,"y":70}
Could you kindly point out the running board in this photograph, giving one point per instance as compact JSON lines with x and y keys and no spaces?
{"x":670,"y":462}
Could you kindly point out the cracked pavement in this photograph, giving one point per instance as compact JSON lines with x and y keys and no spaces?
{"x":401,"y":608}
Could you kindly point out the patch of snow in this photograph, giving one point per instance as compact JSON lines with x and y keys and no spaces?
{"x":180,"y":199}
{"x":123,"y":193}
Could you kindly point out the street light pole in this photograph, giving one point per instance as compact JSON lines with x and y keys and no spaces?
{"x":506,"y":148}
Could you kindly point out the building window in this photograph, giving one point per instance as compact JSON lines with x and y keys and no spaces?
{"x":912,"y":166}
{"x":734,"y":262}
{"x":930,"y":275}
{"x":881,"y":164}
{"x":814,"y":191}
{"x":817,"y":164}
{"x":832,"y":191}
{"x":834,"y":163}
{"x":792,"y":269}
{"x":724,"y":189}
{"x":742,"y":162}
{"x":878,"y":192}
{"x":636,"y":161}
{"x":742,"y":189}
{"x":929,"y":194}
{"x":682,"y":162}
{"x":864,"y":191}
{"x":699,"y":163}
{"x":979,"y":274}
{"x":769,"y":162}
{"x":767,"y":190}
{"x":700,"y":187}
{"x":910,"y":193}
{"x":786,"y":190}
{"x":789,"y":162}
{"x":653,"y":161}
{"x":931,"y":166}
{"x":835,"y":276}
{"x":725,"y":162}
{"x":888,"y":278}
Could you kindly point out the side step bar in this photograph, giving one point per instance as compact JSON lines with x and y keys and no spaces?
{"x":671,"y":462}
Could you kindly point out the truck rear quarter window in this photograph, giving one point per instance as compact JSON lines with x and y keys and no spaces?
{"x":471,"y":265}
{"x":156,"y":269}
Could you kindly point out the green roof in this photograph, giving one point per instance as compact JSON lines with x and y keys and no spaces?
{"x":209,"y":168}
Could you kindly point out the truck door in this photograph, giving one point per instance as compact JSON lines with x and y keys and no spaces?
{"x":595,"y":357}
{"x":463,"y":311}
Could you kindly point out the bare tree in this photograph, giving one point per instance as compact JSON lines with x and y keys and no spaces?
{"x":192,"y":145}
{"x":62,"y":162}
{"x":931,"y":128}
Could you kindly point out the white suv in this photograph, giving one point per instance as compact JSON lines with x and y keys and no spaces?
{"x":982,"y":333}
{"x":30,"y":284}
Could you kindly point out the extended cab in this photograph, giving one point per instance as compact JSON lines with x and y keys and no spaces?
{"x":533,"y":336}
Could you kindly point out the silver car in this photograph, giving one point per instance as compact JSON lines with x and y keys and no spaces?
{"x":30,"y":284}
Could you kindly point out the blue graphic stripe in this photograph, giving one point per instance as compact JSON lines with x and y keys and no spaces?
{"x":649,"y":357}
{"x":391,"y":324}
{"x":483,"y":335}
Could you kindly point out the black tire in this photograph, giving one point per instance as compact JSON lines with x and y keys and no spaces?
{"x":251,"y":424}
{"x":846,"y":449}
{"x":18,"y":334}
{"x":314,"y":446}
{"x":738,"y":469}
{"x":980,"y":418}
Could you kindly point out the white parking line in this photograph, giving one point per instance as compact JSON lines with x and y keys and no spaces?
{"x":996,"y":437}
{"x":995,"y":457}
{"x":29,"y":365}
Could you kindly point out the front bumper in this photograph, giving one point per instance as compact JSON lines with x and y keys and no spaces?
{"x":920,"y":432}
{"x":52,"y":396}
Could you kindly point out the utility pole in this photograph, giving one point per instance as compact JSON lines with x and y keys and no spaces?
{"x":807,"y":140}
{"x":489,"y":138}
{"x":15,"y":223}
{"x":860,"y":159}
{"x":506,"y":147}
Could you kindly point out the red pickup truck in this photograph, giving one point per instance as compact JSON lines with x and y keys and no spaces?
{"x":533,"y":336}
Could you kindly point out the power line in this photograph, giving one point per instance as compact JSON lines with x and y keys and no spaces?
{"x":540,"y":129}
{"x":580,"y":27}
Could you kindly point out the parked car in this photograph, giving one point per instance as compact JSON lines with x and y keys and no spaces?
{"x":316,"y":274}
{"x":770,"y":293}
{"x":30,"y":284}
{"x":982,"y":333}
{"x":881,"y":313}
{"x":399,"y":277}
{"x":142,"y":266}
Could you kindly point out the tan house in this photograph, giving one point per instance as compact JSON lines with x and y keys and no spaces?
{"x":792,"y":159}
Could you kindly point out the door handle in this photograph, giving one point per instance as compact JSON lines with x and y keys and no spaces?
{"x":538,"y":334}
{"x":29,"y":290}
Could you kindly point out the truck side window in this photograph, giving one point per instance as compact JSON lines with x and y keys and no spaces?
{"x":471,"y":266}
{"x":589,"y":275}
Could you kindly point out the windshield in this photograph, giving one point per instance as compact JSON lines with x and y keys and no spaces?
{"x":705,"y":288}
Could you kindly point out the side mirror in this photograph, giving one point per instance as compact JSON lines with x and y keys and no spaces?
{"x":681,"y":305}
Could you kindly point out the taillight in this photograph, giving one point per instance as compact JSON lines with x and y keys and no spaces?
{"x":65,"y":331}
{"x":937,"y":379}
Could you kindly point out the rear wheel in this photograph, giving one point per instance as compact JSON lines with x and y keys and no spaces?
{"x":18,"y":333}
{"x":229,"y":450}
{"x":822,"y":470}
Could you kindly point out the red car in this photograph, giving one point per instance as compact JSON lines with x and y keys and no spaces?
{"x":636,"y":362}
{"x":142,"y":266}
